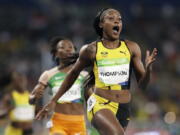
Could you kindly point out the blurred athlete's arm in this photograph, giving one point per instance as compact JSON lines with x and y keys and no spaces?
{"x":39,"y":89}
{"x":142,"y":72}
{"x":6,"y":105}
{"x":37,"y":93}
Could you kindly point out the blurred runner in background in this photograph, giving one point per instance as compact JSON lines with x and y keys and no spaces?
{"x":21,"y":114}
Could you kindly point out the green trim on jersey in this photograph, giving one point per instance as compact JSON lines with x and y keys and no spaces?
{"x":57,"y":79}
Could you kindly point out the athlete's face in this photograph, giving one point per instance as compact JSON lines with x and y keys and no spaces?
{"x":64,"y":48}
{"x":111,"y":23}
{"x":19,"y":81}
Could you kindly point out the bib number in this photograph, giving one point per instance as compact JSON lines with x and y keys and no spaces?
{"x":72,"y":94}
{"x":24,"y":113}
{"x":90,"y":103}
{"x":114,"y":75}
{"x":49,"y":124}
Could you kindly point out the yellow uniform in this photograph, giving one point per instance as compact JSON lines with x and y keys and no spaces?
{"x":22,"y":112}
{"x":112,"y":71}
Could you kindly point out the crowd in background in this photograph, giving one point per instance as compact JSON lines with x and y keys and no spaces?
{"x":25,"y":29}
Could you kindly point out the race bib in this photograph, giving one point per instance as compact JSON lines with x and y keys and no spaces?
{"x":24,"y":113}
{"x":114,"y":74}
{"x":90,"y":103}
{"x":49,"y":124}
{"x":72,"y":94}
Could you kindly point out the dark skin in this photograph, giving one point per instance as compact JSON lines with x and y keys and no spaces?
{"x":104,"y":120}
{"x":64,"y":49}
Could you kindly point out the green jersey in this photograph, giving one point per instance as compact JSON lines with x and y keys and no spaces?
{"x":54,"y":78}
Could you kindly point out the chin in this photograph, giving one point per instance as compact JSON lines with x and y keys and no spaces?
{"x":115,"y":38}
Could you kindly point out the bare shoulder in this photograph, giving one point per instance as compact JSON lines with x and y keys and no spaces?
{"x":131,"y":43}
{"x":89,"y":48}
{"x":133,"y":46}
{"x":88,"y":51}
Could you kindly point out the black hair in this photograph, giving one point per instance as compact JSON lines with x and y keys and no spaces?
{"x":70,"y":60}
{"x":53,"y":43}
{"x":97,"y":20}
{"x":67,"y":61}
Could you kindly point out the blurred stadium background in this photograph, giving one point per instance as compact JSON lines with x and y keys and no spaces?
{"x":27,"y":25}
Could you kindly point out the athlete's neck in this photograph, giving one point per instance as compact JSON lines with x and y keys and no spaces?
{"x":63,"y":63}
{"x":20,"y":90}
{"x":64,"y":68}
{"x":110,"y":44}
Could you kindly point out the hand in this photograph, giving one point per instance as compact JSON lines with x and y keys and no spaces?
{"x":32,"y":99}
{"x":43,"y":113}
{"x":150,"y":58}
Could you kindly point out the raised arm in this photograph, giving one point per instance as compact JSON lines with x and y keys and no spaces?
{"x":84,"y":60}
{"x":142,"y":72}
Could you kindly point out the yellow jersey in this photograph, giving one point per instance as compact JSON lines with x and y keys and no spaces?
{"x":22,"y":111}
{"x":112,"y":67}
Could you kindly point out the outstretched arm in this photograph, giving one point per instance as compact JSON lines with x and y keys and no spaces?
{"x":142,"y":73}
